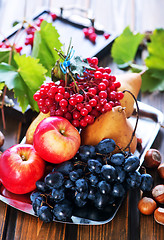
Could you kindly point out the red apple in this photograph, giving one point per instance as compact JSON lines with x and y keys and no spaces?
{"x":20,"y":168}
{"x":56,"y":140}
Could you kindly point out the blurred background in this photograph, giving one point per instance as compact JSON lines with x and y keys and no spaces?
{"x":113,"y":15}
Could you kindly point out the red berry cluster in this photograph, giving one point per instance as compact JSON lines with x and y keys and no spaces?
{"x":91,"y":35}
{"x":97,"y":93}
{"x":32,"y":28}
{"x":7,"y":45}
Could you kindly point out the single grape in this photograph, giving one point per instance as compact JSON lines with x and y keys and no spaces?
{"x":146,"y":182}
{"x":58,"y":194}
{"x":105,"y":146}
{"x":131,"y":163}
{"x":94,"y":166}
{"x":54,"y":180}
{"x":108,"y":172}
{"x":41,"y":186}
{"x":117,"y":159}
{"x":101,"y":200}
{"x":69,"y":184}
{"x":45,"y":214}
{"x":118,"y":190}
{"x":92,"y":193}
{"x":62,"y":211}
{"x":81,"y":185}
{"x":76,"y":174}
{"x":86,"y":152}
{"x":121,"y":174}
{"x":65,"y":168}
{"x":80,"y":199}
{"x":93,"y":180}
{"x":34,"y":195}
{"x":134,"y":179}
{"x":104,"y":187}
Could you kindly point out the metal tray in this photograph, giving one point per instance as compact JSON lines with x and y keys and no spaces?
{"x":150,"y":120}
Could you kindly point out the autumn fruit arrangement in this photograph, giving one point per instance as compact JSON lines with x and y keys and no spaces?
{"x":83,"y":135}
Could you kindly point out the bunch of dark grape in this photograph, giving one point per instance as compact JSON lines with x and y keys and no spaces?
{"x":97,"y":93}
{"x":94,"y":176}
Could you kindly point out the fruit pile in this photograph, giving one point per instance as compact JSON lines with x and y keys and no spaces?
{"x":94,"y":176}
{"x":83,"y":100}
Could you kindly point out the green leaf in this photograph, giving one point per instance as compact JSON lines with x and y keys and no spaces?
{"x":152,"y":80}
{"x":45,"y":40}
{"x":25,"y":79}
{"x":4,"y":55}
{"x":77,"y":65}
{"x":155,"y":59}
{"x":125,"y":47}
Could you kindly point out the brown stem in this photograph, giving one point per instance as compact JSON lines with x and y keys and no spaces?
{"x":134,"y":131}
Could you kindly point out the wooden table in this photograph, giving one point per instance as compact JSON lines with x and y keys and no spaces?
{"x":127,"y":224}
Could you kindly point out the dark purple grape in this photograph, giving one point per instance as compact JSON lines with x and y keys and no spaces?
{"x":37,"y":203}
{"x":94,"y":166}
{"x":54,"y":180}
{"x":121,"y":174}
{"x":101,"y":200}
{"x":108,"y":172}
{"x":131,"y":163}
{"x":117,"y":159}
{"x":105,"y":146}
{"x":81,"y":185}
{"x":58,"y":194}
{"x":104,"y":187}
{"x":69,"y":184}
{"x":93,"y":180}
{"x":34,"y":195}
{"x":41,"y":186}
{"x":146,"y":182}
{"x":86,"y":151}
{"x":45,"y":214}
{"x":134,"y":179}
{"x":65,"y":168}
{"x":118,"y":190}
{"x":92,"y":193}
{"x":62,"y":211}
{"x":76,"y":174}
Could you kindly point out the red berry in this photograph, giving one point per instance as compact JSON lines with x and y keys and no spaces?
{"x":72,"y":101}
{"x":64,"y":109}
{"x":94,"y":61}
{"x":58,"y":97}
{"x":49,"y":102}
{"x":76,"y":115}
{"x":108,"y":106}
{"x":45,"y":109}
{"x":117,"y":84}
{"x":102,"y":86}
{"x":89,"y":119}
{"x":79,"y":106}
{"x":84,"y":111}
{"x":94,"y":113}
{"x":75,"y":123}
{"x":112,"y":95}
{"x":79,"y":98}
{"x":66,"y":95}
{"x":106,"y":76}
{"x":61,"y":89}
{"x":113,"y":78}
{"x":86,"y":32}
{"x":120,"y":95}
{"x":59,"y":112}
{"x":63,"y":103}
{"x":106,"y":82}
{"x":92,"y":91}
{"x":103,"y":94}
{"x":54,"y":16}
{"x":68,"y":116}
{"x":106,"y":35}
{"x":92,"y":37}
{"x":103,"y":101}
{"x":37,"y":96}
{"x":93,"y":102}
{"x":88,"y":107}
{"x":107,"y":70}
{"x":101,"y":69}
{"x":83,"y":123}
{"x":98,"y":74}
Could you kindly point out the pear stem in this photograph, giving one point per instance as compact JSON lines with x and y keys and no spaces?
{"x":137,"y":118}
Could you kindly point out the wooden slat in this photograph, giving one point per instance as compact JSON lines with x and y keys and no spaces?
{"x":3,"y":214}
{"x":117,"y":229}
{"x":27,"y":225}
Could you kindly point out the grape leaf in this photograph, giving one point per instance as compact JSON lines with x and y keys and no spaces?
{"x":125,"y":47}
{"x":153,"y":79}
{"x":151,"y":82}
{"x":45,"y":40}
{"x":155,"y":60}
{"x":4,"y":55}
{"x":25,"y":79}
